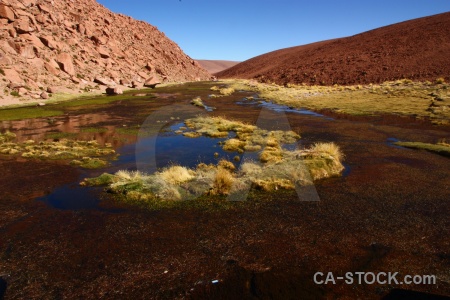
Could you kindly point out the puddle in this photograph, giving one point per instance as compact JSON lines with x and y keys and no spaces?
{"x":391,"y":143}
{"x":347,"y":170}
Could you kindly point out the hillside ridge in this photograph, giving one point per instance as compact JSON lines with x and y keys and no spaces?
{"x":214,"y":66}
{"x":49,"y":46}
{"x":415,"y":49}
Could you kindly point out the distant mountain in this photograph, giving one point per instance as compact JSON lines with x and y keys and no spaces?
{"x":417,"y":49}
{"x":214,"y":66}
{"x":77,"y":44}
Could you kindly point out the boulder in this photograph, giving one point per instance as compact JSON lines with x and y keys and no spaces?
{"x":136,"y":84}
{"x":103,"y":81}
{"x":114,"y":91}
{"x":13,"y":76}
{"x":44,"y":95}
{"x":27,"y":51}
{"x":51,"y":89}
{"x":41,"y":18}
{"x":65,"y":62}
{"x":143,"y":75}
{"x":44,"y":8}
{"x":6,"y":12}
{"x":49,"y":42}
{"x":152,"y":82}
{"x":33,"y":40}
{"x":104,"y":53}
{"x":99,"y":40}
{"x":51,"y":69}
{"x":22,"y":25}
{"x":4,"y":60}
{"x":125,"y":82}
{"x":22,"y":91}
{"x":28,"y":3}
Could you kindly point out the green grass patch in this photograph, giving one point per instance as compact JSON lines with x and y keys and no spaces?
{"x":27,"y":113}
{"x":439,"y":148}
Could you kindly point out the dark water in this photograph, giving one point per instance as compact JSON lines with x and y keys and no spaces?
{"x":159,"y":150}
{"x":279,"y":108}
{"x":170,"y":149}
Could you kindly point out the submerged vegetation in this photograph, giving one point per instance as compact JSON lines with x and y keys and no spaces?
{"x":276,"y":169}
{"x":442,"y":148}
{"x":82,"y":153}
{"x":402,"y":97}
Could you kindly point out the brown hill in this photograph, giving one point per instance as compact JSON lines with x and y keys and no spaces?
{"x":71,"y":44}
{"x":417,"y":49}
{"x":214,"y":66}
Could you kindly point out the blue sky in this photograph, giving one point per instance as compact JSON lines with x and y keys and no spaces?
{"x":241,"y":29}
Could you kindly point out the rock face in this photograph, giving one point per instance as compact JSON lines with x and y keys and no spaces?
{"x":417,"y":49}
{"x":81,"y":44}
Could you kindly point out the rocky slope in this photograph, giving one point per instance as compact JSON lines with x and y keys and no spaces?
{"x":214,"y":66}
{"x":80,"y":45}
{"x":417,"y":49}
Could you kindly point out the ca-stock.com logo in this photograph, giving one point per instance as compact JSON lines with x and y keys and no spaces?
{"x":147,"y":160}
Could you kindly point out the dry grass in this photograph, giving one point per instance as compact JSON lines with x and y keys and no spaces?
{"x":81,"y":153}
{"x":248,"y":137}
{"x":223,"y":182}
{"x":234,"y":145}
{"x":176,"y":174}
{"x":225,"y":91}
{"x":330,"y":149}
{"x":228,"y":165}
{"x":192,"y":134}
{"x":403,"y":97}
{"x":277,"y":169}
{"x":441,"y":148}
{"x":198,"y":102}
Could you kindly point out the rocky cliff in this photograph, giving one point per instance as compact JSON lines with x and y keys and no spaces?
{"x":81,"y":45}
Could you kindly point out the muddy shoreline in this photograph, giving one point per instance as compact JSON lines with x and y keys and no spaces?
{"x":388,"y":214}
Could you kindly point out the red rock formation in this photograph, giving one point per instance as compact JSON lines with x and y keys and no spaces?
{"x":69,"y":44}
{"x":417,"y":49}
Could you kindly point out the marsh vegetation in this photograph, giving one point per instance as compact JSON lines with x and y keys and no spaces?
{"x":276,"y":168}
{"x":401,"y":97}
{"x":80,"y":153}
